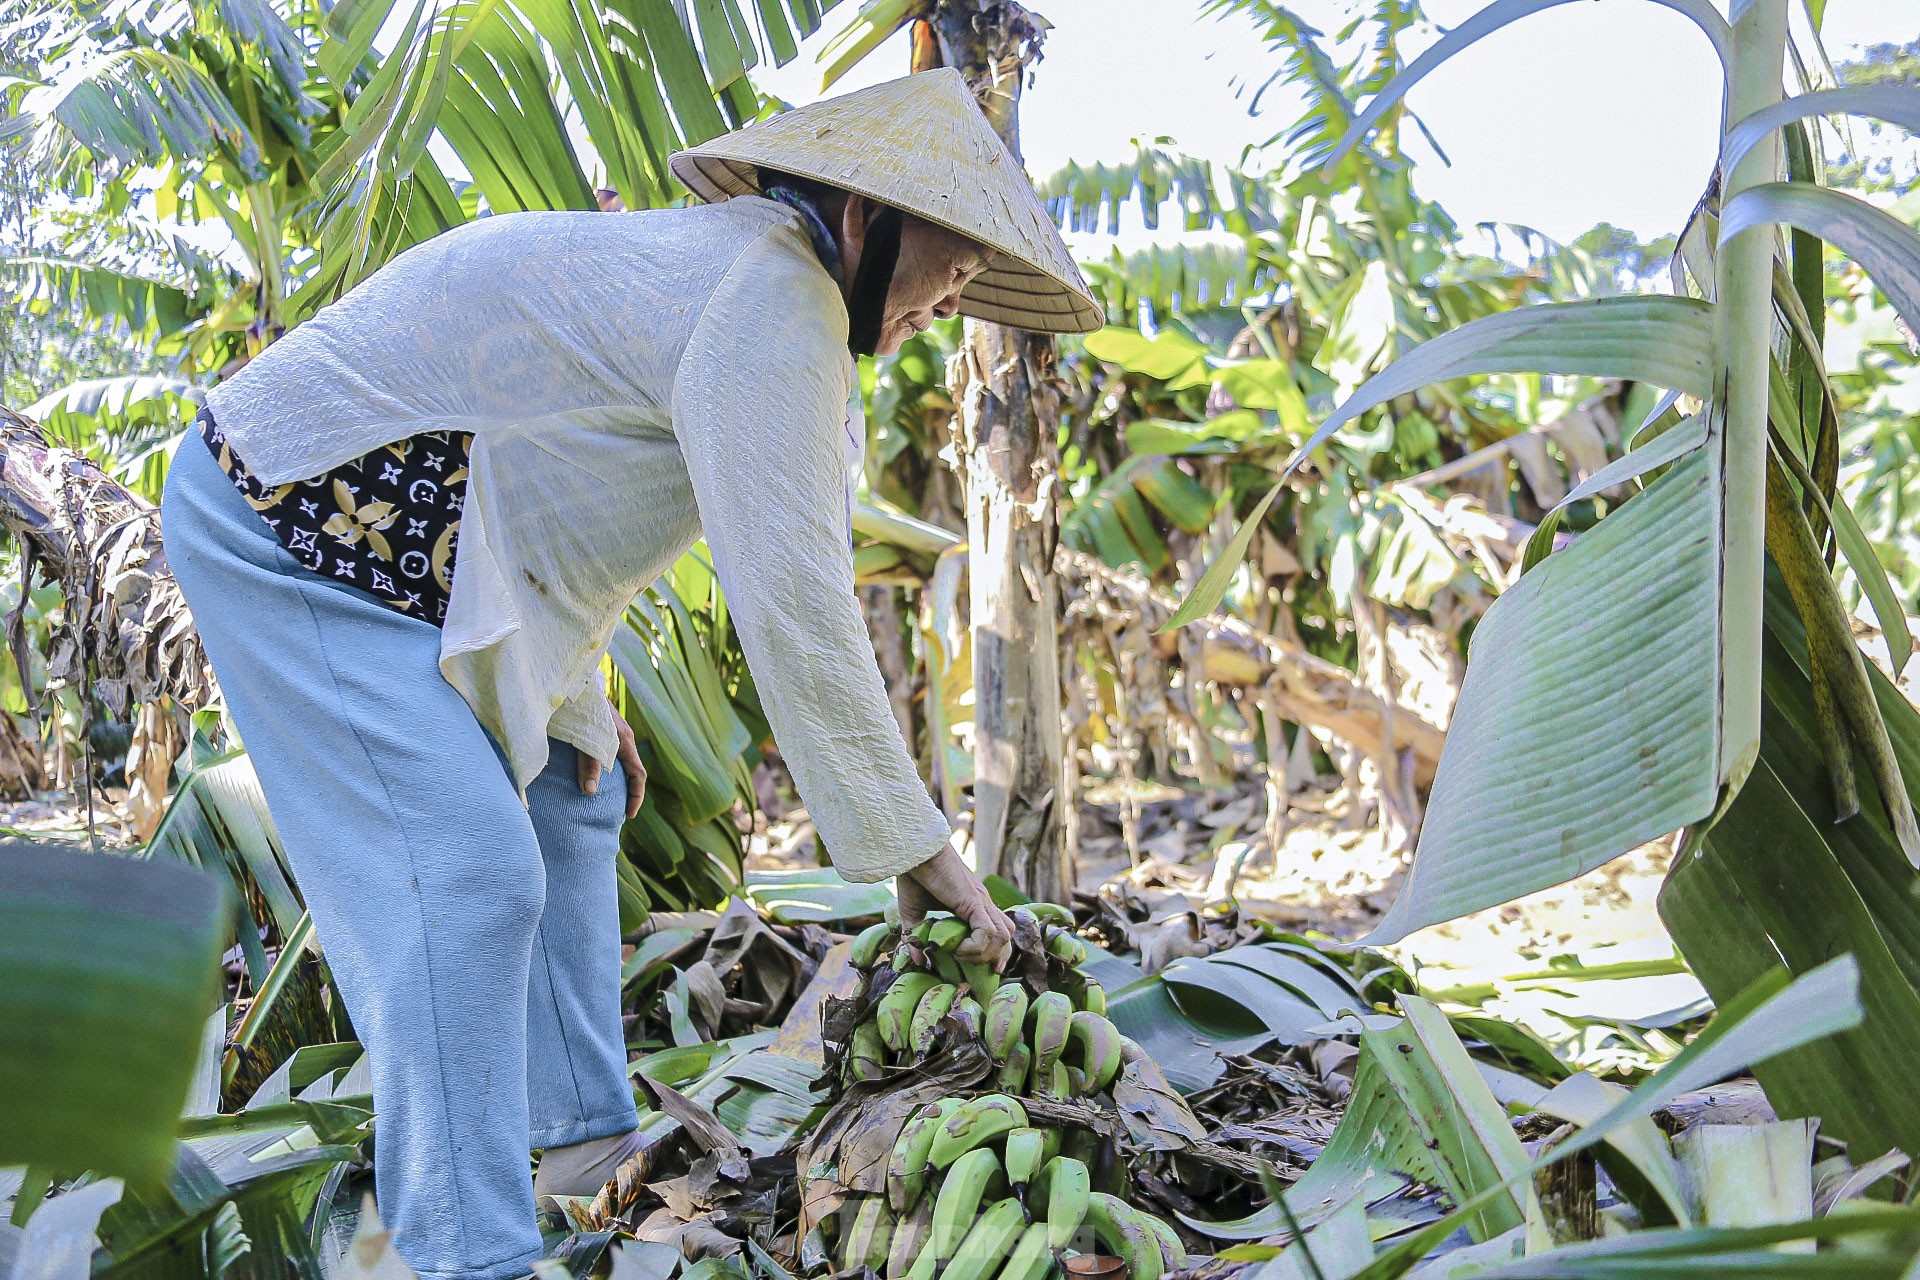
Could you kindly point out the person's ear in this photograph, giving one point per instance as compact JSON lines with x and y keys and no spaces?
{"x":855,"y":213}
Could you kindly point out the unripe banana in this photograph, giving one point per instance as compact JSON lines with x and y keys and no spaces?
{"x":871,"y":1231}
{"x":945,"y":935}
{"x":1057,"y":1084}
{"x":1006,"y":1019}
{"x":1122,"y":1231}
{"x":1053,"y":1144}
{"x":982,"y":981}
{"x":957,"y":1207}
{"x":1051,"y":913}
{"x":907,"y":1167}
{"x":1094,"y":1000}
{"x":867,"y":945}
{"x":894,"y":1014}
{"x":866,"y":1053}
{"x":1032,"y":1255}
{"x":1076,"y":1081}
{"x":1025,"y":1152}
{"x":920,"y":932}
{"x":986,"y":1246}
{"x":946,"y":966}
{"x":910,"y":1236}
{"x":1095,"y":1043}
{"x":1050,"y":1021}
{"x":1065,"y":1187}
{"x":933,"y":1006}
{"x":1173,"y":1250}
{"x":969,"y":1013}
{"x":1064,"y":946}
{"x":1012,"y":1076}
{"x":976,"y":1123}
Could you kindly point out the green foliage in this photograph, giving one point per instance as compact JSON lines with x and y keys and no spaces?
{"x":1779,"y":876}
{"x":684,"y":687}
{"x":107,"y":968}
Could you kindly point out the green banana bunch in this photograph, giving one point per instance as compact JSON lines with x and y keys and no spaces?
{"x":957,"y":1208}
{"x":987,"y":1245}
{"x":908,"y":1165}
{"x":1045,"y":913}
{"x":930,"y":981}
{"x":1032,"y":1256}
{"x":1062,"y":945}
{"x":1096,"y":1044}
{"x":1012,"y":1076}
{"x":1064,"y":1186}
{"x":894,"y":1013}
{"x":1025,"y":1152}
{"x":910,"y":1236}
{"x":975,"y":1124}
{"x":869,"y":1234}
{"x":971,"y":1228}
{"x":865,"y":950}
{"x":1048,"y":1026}
{"x":866,"y":1053}
{"x":1123,"y":1230}
{"x":1006,"y":1019}
{"x":974,"y":1189}
{"x":933,"y":1006}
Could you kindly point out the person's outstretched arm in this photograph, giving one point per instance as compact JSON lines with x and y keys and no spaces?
{"x":760,"y":412}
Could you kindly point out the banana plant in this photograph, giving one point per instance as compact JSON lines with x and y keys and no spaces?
{"x":1423,"y":1110}
{"x":1614,"y":694}
{"x":682,"y":682}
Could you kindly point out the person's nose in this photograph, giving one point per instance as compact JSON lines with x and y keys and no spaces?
{"x":948,"y":307}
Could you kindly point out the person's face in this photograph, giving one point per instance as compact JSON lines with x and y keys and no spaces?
{"x":935,"y":265}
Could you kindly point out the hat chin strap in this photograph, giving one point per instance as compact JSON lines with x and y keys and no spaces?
{"x":867,"y":298}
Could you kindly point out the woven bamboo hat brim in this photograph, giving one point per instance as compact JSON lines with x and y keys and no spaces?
{"x":920,"y":144}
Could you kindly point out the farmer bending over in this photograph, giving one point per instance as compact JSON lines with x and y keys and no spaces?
{"x":575,"y":398}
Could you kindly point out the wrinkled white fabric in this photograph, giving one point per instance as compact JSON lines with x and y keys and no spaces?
{"x":632,"y":381}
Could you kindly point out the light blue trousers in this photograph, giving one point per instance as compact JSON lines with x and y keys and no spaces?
{"x":475,"y":939}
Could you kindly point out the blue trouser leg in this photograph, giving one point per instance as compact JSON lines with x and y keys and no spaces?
{"x":577,"y":1084}
{"x":426,"y":880}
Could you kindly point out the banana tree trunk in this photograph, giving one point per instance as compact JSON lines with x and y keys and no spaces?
{"x":1003,"y":384}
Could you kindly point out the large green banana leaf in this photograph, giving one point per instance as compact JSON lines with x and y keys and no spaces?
{"x":1588,"y":720}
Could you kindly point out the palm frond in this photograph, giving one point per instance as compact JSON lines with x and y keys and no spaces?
{"x":128,"y":107}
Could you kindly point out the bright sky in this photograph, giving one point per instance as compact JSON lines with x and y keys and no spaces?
{"x":1586,"y":113}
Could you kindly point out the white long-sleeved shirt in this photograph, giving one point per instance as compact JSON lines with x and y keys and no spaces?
{"x":632,"y":382}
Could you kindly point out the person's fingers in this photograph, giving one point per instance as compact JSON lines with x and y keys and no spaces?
{"x":636,"y":772}
{"x":636,"y":788}
{"x":989,"y":938}
{"x":589,"y":774}
{"x":914,"y":900}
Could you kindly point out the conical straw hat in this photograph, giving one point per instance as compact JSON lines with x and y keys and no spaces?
{"x":920,"y":144}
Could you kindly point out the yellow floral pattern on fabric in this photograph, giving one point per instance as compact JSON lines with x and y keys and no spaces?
{"x":388,"y":522}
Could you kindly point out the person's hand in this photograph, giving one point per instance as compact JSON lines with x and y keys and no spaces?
{"x":629,"y":757}
{"x":945,"y":882}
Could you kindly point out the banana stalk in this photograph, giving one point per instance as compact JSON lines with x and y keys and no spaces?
{"x":1743,"y":346}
